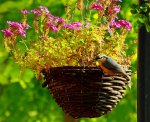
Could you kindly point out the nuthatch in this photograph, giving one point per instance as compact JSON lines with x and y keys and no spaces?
{"x":110,"y":66}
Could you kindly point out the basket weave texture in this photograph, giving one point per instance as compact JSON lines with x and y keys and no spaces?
{"x":84,"y":91}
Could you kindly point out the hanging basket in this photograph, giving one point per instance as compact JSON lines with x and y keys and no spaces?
{"x":84,"y":91}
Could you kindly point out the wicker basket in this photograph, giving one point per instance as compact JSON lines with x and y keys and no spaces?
{"x":84,"y":91}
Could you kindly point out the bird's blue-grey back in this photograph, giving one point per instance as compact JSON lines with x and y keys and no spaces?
{"x":112,"y":64}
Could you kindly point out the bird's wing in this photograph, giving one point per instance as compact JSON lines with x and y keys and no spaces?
{"x":113,"y":65}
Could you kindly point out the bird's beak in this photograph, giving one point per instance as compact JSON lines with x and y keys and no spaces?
{"x":97,"y":63}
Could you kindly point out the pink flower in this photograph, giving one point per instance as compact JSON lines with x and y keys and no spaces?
{"x":7,"y":33}
{"x":121,"y":23}
{"x":24,"y":11}
{"x":59,"y":20}
{"x":70,"y":26}
{"x":14,"y":24}
{"x":45,"y":9}
{"x":22,"y":32}
{"x":76,"y":24}
{"x":37,"y":12}
{"x":52,"y":26}
{"x":98,"y":7}
{"x":115,"y":24}
{"x":116,"y":9}
{"x":73,"y":26}
{"x":26,"y":26}
{"x":126,"y":24}
{"x":18,"y":27}
{"x":51,"y":17}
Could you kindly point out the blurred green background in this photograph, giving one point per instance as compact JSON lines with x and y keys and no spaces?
{"x":22,"y":99}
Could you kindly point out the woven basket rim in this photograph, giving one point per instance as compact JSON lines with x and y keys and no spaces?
{"x":84,"y":70}
{"x":77,"y":67}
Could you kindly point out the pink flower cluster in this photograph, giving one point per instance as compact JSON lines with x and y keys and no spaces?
{"x":116,"y":9}
{"x":7,"y":33}
{"x":52,"y":27}
{"x":59,"y":20}
{"x":44,"y":9}
{"x":25,"y":11}
{"x":53,"y":22}
{"x":37,"y":12}
{"x":120,"y":24}
{"x":73,"y":26}
{"x":98,"y":7}
{"x":15,"y":28}
{"x":55,"y":19}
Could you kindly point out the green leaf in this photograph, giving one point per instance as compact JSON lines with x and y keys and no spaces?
{"x":134,"y":6}
{"x":104,"y":19}
{"x":134,"y":11}
{"x":147,"y":27}
{"x":142,"y":19}
{"x":144,"y":8}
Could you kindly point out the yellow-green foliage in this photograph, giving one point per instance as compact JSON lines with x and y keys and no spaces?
{"x":69,"y":43}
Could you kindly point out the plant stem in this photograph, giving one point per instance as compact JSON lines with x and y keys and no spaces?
{"x":84,"y":13}
{"x":85,"y":10}
{"x":25,"y":44}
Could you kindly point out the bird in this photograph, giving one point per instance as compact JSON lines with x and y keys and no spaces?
{"x":110,"y":66}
